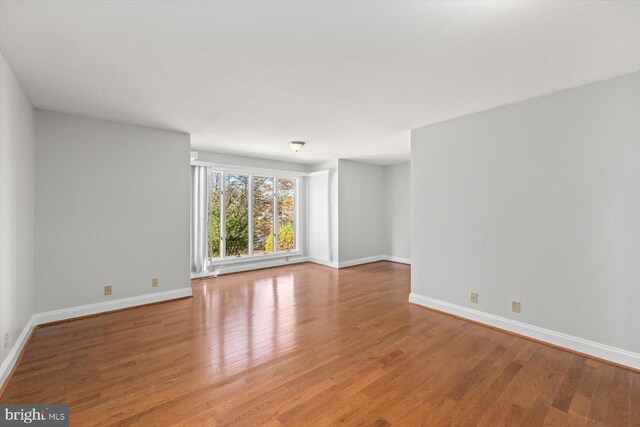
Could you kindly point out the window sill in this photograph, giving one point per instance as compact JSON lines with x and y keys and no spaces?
{"x":252,"y":258}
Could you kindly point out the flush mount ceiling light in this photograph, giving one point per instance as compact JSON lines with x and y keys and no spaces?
{"x":296,"y":145}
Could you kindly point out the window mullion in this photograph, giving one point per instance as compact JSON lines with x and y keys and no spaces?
{"x":223,"y":227}
{"x":250,"y":219}
{"x":209,"y":256}
{"x":275,"y":214}
{"x":296,"y":215}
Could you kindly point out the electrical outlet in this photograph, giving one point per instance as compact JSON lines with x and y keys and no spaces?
{"x":473,"y":296}
{"x":155,"y":282}
{"x":515,"y":306}
{"x":107,"y":290}
{"x":6,"y":340}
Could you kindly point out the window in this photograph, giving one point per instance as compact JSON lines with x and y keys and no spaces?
{"x":214,"y":192}
{"x":262,"y":214}
{"x":250,"y":215}
{"x":286,"y":214}
{"x":236,"y":216}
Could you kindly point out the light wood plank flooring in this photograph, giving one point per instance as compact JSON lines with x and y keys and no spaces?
{"x":309,"y":345}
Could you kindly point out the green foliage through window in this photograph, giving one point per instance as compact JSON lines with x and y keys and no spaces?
{"x":262,"y":214}
{"x":268,"y":193}
{"x":286,"y":214}
{"x":236,"y":202}
{"x":214,"y":192}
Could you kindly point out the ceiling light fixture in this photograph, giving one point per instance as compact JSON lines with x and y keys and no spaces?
{"x":296,"y":145}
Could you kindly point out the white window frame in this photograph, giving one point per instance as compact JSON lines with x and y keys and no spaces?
{"x":250,"y":173}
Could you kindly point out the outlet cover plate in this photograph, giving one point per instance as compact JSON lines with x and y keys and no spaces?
{"x":515,"y":306}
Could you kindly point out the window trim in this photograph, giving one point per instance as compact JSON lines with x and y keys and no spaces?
{"x":246,"y":170}
{"x":246,"y":258}
{"x":251,"y":173}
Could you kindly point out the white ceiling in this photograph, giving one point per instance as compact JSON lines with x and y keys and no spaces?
{"x":351,"y":78}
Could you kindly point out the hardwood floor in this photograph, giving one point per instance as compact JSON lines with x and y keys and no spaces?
{"x":309,"y":345}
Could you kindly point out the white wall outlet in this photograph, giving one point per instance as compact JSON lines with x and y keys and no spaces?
{"x":6,"y":340}
{"x":107,"y":290}
{"x":515,"y":306}
{"x":473,"y":297}
{"x":155,"y":282}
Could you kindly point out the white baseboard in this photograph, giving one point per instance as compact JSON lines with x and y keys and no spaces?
{"x":359,"y":261}
{"x":602,"y":351}
{"x":367,"y":260}
{"x":202,"y":274}
{"x":332,"y":264}
{"x":101,"y":307}
{"x":12,"y":357}
{"x":376,"y":258}
{"x":256,"y":265}
{"x":397,"y":259}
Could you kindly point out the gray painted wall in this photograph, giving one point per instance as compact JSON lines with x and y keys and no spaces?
{"x":112,"y":207}
{"x":361,"y":210}
{"x":397,"y":214}
{"x":369,"y":209}
{"x":537,"y":201}
{"x":17,"y":145}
